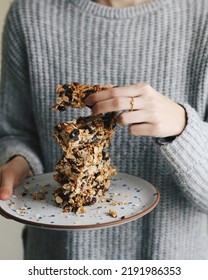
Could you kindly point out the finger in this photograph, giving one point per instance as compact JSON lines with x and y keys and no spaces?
{"x":143,"y":129}
{"x":117,"y":104}
{"x":133,"y":117}
{"x":127,"y":91}
{"x":6,"y":186}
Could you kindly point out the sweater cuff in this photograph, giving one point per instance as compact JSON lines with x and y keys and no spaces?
{"x":185,"y":151}
{"x":14,"y":149}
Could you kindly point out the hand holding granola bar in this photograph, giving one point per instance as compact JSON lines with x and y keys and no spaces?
{"x":146,"y":111}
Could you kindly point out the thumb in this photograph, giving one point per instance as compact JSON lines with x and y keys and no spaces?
{"x":6,"y":186}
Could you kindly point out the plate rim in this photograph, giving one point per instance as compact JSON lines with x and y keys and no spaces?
{"x":89,"y":226}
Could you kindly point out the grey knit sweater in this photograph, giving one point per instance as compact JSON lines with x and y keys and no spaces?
{"x":163,"y":43}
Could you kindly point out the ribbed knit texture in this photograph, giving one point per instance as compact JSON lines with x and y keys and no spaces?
{"x":163,"y":43}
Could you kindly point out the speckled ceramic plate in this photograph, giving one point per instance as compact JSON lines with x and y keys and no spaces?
{"x":129,"y":197}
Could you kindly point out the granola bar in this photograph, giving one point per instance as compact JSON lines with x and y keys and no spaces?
{"x":84,"y":172}
{"x":86,"y":130}
{"x":74,"y":95}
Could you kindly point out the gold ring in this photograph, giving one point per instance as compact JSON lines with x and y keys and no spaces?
{"x":132,"y":103}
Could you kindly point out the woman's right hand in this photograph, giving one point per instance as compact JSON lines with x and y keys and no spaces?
{"x":12,"y":174}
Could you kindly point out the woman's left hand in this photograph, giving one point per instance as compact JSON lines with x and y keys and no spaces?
{"x":146,"y":111}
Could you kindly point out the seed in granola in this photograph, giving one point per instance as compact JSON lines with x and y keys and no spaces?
{"x":58,"y":199}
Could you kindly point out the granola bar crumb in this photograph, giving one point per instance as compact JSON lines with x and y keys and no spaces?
{"x":113,"y":213}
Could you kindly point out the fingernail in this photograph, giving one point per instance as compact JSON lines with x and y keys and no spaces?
{"x":87,"y":102}
{"x":4,"y":195}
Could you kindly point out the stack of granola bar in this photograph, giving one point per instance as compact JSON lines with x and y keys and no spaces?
{"x":85,"y":170}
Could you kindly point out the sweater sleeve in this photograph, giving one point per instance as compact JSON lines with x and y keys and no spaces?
{"x":188,"y":157}
{"x":18,"y":133}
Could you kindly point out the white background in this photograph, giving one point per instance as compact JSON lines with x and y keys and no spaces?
{"x":10,"y":231}
{"x":99,"y":270}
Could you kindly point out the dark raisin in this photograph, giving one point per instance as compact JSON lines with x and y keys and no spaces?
{"x":76,"y":155}
{"x":57,"y":128}
{"x":74,"y":135}
{"x":97,"y":174}
{"x":61,"y":108}
{"x":88,"y":128}
{"x":91,"y":201}
{"x":68,"y":93}
{"x":80,"y":120}
{"x":65,"y":86}
{"x":74,"y":209}
{"x":64,"y":181}
{"x":75,"y":170}
{"x":75,"y":84}
{"x":24,"y":193}
{"x":71,"y":161}
{"x":95,"y":139}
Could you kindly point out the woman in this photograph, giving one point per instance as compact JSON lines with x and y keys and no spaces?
{"x":156,"y":52}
